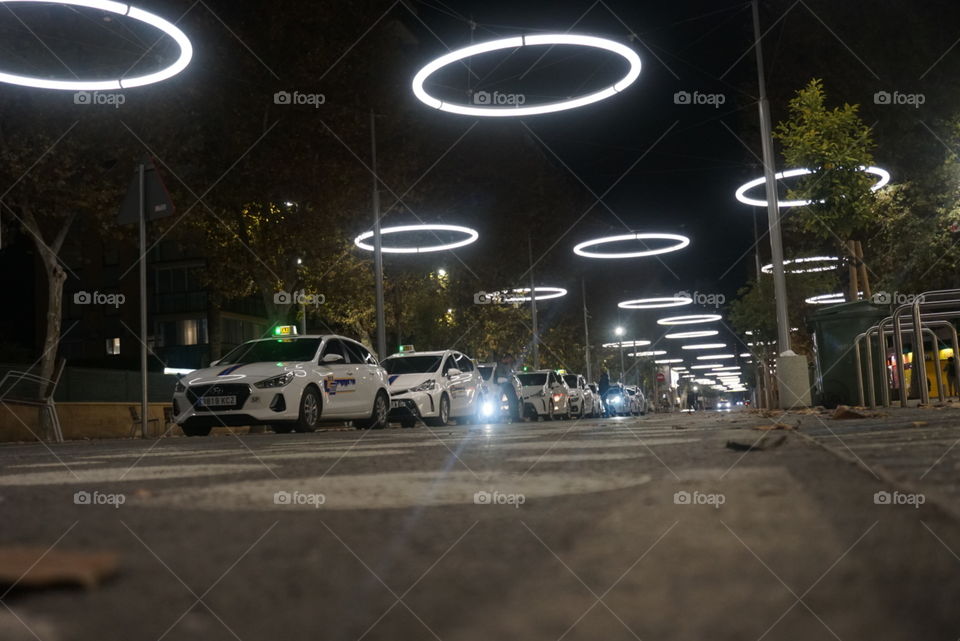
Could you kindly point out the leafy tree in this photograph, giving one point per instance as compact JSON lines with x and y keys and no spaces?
{"x":835,"y":144}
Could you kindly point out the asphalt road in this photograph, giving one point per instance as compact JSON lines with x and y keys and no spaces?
{"x":565,"y":530}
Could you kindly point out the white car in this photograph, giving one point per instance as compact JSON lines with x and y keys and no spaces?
{"x":545,"y":394}
{"x":583,"y":402}
{"x":638,"y":402}
{"x":502,"y":398}
{"x":433,"y":386}
{"x":289,"y":382}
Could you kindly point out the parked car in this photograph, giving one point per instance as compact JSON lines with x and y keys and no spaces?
{"x":289,"y":382}
{"x":638,"y":401}
{"x":582,"y":400}
{"x":502,"y":399}
{"x":600,"y":410}
{"x":433,"y":386}
{"x":616,"y":401}
{"x":545,"y":394}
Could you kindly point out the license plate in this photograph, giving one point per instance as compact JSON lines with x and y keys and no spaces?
{"x":396,"y":404}
{"x":217,"y":401}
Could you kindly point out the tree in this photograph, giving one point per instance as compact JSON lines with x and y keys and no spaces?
{"x":835,"y":144}
{"x":53,"y":183}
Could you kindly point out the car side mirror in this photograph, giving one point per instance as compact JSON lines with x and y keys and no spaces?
{"x":453,"y":371}
{"x":332,"y":358}
{"x":214,"y":363}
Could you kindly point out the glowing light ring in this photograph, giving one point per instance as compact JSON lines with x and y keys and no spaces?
{"x":655,"y":303}
{"x":827,"y":299}
{"x":682,"y":241}
{"x":637,"y":343}
{"x":472,"y":236}
{"x":695,"y":334}
{"x":550,"y":292}
{"x":692,"y":319}
{"x":704,"y":346}
{"x":121,"y":9}
{"x":526,"y":41}
{"x":792,"y":173}
{"x":768,"y":269}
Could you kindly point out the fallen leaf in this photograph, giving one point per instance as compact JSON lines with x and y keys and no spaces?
{"x":39,"y":567}
{"x":844,"y":412}
{"x":775,"y":426}
{"x":762,"y":444}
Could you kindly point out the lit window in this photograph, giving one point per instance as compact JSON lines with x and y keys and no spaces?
{"x":113,"y":346}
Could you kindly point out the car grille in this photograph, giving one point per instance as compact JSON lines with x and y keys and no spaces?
{"x":194,"y":392}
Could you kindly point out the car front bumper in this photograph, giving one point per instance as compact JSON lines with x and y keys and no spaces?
{"x":416,"y":404}
{"x":261,"y":407}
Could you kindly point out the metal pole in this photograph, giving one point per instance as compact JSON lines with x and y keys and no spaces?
{"x":141,"y":172}
{"x":622,"y":380}
{"x":533,"y":309}
{"x":773,"y":211}
{"x":586,"y":331}
{"x":377,"y":249}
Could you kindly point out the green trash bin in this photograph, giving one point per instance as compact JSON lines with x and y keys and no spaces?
{"x":834,"y":330}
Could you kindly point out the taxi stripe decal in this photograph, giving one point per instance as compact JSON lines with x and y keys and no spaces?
{"x":230,"y":369}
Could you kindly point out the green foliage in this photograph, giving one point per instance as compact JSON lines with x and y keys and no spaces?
{"x":834,"y":142}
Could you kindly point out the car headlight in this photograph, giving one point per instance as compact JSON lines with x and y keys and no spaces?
{"x":615,"y":399}
{"x":425,"y":386}
{"x":179,"y":388}
{"x":275,"y":381}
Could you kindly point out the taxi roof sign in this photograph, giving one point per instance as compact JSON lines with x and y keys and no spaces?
{"x":285,"y":330}
{"x":406,"y":348}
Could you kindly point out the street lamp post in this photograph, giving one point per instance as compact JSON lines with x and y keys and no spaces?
{"x":619,"y":332}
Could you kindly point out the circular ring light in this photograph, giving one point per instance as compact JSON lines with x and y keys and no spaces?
{"x":681,"y":242}
{"x":704,"y":346}
{"x":656,"y":352}
{"x":829,"y":263}
{"x":121,"y":9}
{"x":471,"y":234}
{"x":741,"y":193}
{"x":655,"y":303}
{"x":708,"y":357}
{"x":526,"y":41}
{"x":539,"y":293}
{"x":695,"y":334}
{"x":639,"y":343}
{"x":692,"y":319}
{"x":827,"y":299}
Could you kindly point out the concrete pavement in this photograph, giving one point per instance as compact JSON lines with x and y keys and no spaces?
{"x":649,"y":528}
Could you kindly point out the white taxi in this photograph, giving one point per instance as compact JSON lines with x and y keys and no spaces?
{"x":544,"y":394}
{"x":433,"y":386}
{"x":287,"y":381}
{"x":583,"y":402}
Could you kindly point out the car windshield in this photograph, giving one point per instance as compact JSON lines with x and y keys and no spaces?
{"x":411,"y":364}
{"x":278,"y":350}
{"x":571,"y":380}
{"x":533,"y":379}
{"x":486,"y":372}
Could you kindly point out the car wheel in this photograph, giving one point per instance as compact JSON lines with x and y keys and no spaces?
{"x":378,"y":415}
{"x":443,"y":415}
{"x":196,"y":431}
{"x":309,"y":411}
{"x":282,"y":428}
